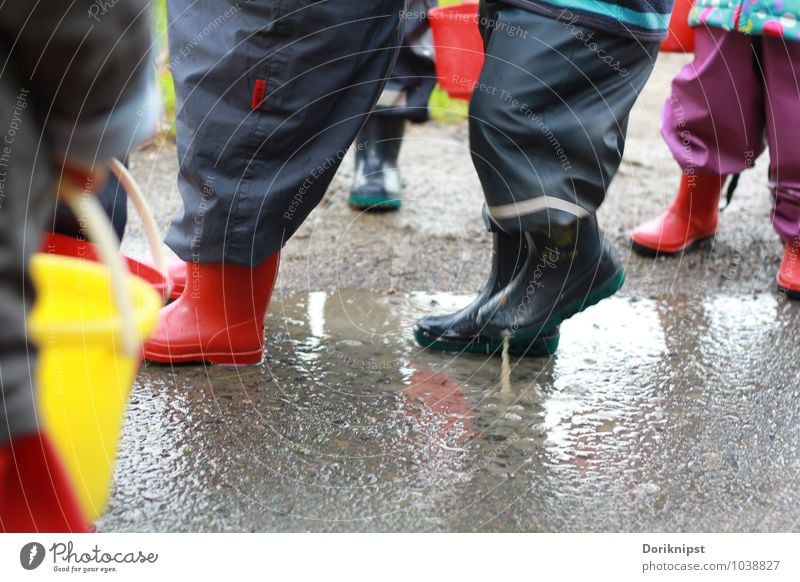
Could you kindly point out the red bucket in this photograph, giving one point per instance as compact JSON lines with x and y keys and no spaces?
{"x":680,"y":37}
{"x":59,"y":244}
{"x":459,"y":48}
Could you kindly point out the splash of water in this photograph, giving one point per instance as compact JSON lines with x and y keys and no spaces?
{"x":505,"y":367}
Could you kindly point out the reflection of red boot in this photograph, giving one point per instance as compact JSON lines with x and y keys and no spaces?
{"x":35,"y":492}
{"x":789,"y":274}
{"x":445,"y":397}
{"x":691,"y":217}
{"x":219,"y":317}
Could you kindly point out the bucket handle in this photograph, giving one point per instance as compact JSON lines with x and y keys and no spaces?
{"x":148,"y":222}
{"x":100,"y":231}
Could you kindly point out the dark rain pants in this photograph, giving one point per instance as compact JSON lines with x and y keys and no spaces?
{"x":270,"y":96}
{"x":26,"y":201}
{"x":549,"y":117}
{"x":112,"y":198}
{"x":413,"y":77}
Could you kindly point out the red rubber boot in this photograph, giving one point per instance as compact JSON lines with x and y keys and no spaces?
{"x":789,"y":274}
{"x":35,"y":492}
{"x":691,"y":218}
{"x":219,"y":317}
{"x":176,"y":271}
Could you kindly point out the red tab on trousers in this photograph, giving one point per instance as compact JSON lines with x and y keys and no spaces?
{"x":258,"y":94}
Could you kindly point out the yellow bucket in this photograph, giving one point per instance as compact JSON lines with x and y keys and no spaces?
{"x":84,"y":376}
{"x":89,"y":330}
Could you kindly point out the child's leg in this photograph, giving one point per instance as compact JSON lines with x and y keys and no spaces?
{"x":781,"y":70}
{"x":547,"y":132}
{"x":34,"y":492}
{"x":549,"y":118}
{"x":713,"y":122}
{"x":781,"y":64}
{"x":269,"y":107}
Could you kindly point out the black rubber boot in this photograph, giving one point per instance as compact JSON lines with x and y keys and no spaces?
{"x":566,"y":271}
{"x":461,"y":332}
{"x":377,"y":182}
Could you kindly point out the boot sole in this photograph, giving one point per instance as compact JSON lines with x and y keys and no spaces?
{"x":604,"y":291}
{"x":792,"y":294}
{"x":375,"y":203}
{"x":539,"y":347}
{"x":238,"y":359}
{"x":646,"y":251}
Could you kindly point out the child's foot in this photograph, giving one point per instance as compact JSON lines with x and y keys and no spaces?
{"x":691,"y":218}
{"x":461,"y":332}
{"x":568,"y":270}
{"x":377,"y":181}
{"x":788,"y":277}
{"x":219,"y":317}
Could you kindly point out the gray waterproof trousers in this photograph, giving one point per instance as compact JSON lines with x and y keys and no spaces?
{"x":271,"y":93}
{"x":549,"y":116}
{"x":26,"y":200}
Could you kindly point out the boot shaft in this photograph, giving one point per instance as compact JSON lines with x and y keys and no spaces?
{"x":698,"y":198}
{"x":379,"y":142}
{"x":237,"y":290}
{"x":509,"y":254}
{"x":582,"y":240}
{"x":567,"y":269}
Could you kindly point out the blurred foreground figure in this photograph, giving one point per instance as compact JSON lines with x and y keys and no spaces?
{"x":74,"y":91}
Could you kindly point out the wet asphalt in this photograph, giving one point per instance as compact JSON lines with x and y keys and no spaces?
{"x":671,"y":407}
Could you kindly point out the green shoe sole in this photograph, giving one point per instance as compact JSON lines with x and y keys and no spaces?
{"x":374,"y":203}
{"x":539,"y":347}
{"x":604,"y":291}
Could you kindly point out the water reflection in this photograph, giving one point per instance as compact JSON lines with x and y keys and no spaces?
{"x":650,"y":410}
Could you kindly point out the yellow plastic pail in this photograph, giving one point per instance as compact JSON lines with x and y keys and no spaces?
{"x":85,"y":369}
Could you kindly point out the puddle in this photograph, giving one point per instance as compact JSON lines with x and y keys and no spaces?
{"x":677,"y":413}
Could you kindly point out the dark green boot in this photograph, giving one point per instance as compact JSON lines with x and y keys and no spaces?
{"x":377,"y":182}
{"x":567,"y":270}
{"x":461,"y":332}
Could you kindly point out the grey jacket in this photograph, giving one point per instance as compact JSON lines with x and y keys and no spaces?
{"x":85,"y":66}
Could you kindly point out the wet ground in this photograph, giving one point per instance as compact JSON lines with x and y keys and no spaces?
{"x":654,"y":415}
{"x":671,"y":407}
